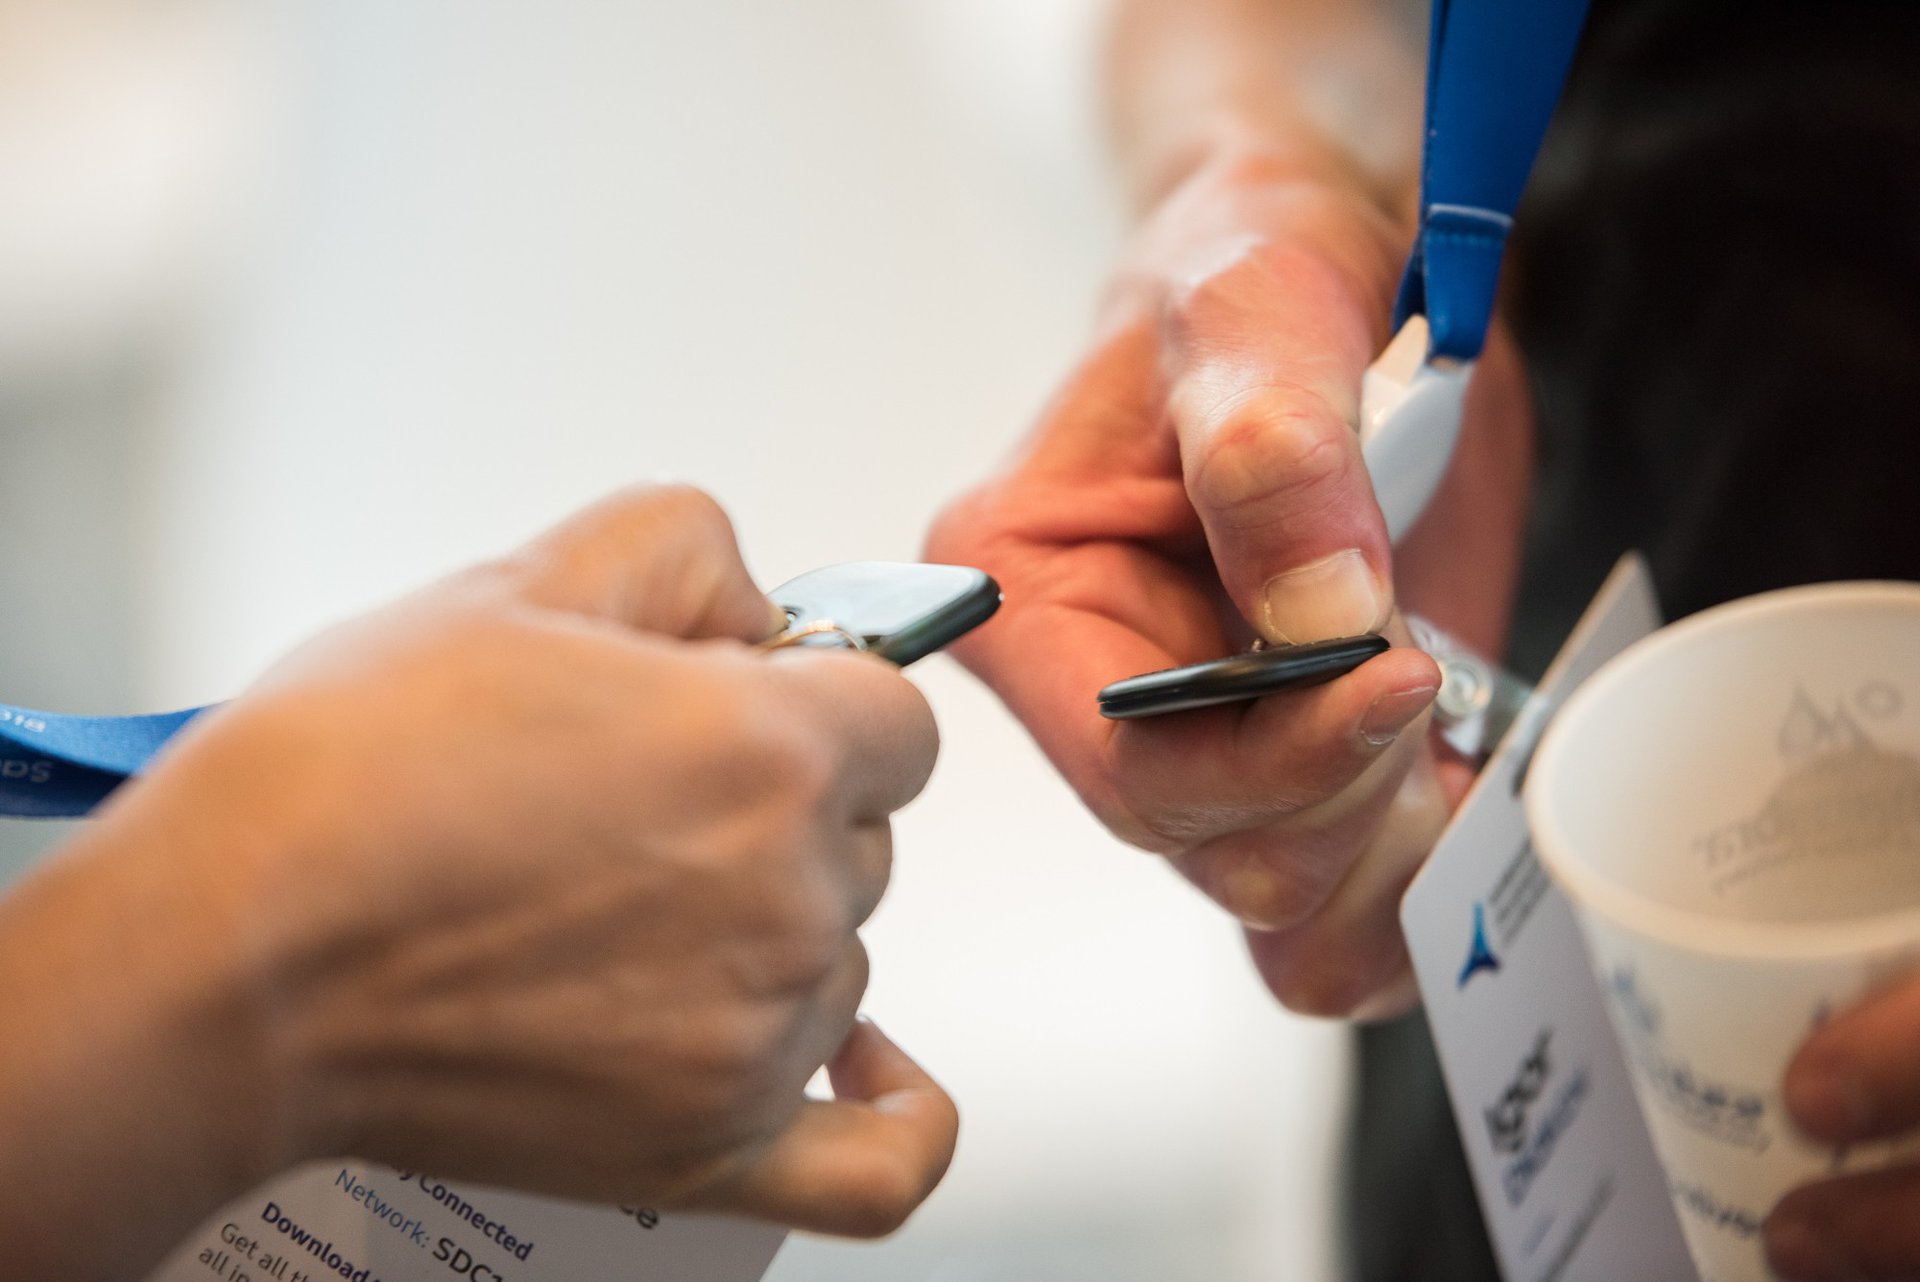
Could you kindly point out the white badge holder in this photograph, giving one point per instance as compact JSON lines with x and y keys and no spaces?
{"x":1410,"y":415}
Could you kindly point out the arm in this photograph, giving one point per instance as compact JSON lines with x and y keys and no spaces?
{"x":1198,"y":480}
{"x":1332,"y":86}
{"x":541,"y":878}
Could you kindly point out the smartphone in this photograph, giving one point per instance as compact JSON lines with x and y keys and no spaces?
{"x":1237,"y":678}
{"x":901,"y":611}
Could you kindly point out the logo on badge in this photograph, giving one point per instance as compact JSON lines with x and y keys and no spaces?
{"x":1507,"y":1120}
{"x":1480,"y":954}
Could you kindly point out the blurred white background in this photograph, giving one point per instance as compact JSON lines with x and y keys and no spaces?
{"x":302,"y":302}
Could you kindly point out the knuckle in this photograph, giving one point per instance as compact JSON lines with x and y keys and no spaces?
{"x":1269,"y":900}
{"x":1217,"y":298}
{"x":669,"y":503}
{"x":514,"y":573}
{"x":727,"y":1058}
{"x":455,"y":653}
{"x":1272,"y":451}
{"x":779,"y":763}
{"x":790,"y":931}
{"x":599,"y":546}
{"x":798,"y":776}
{"x":805,"y":954}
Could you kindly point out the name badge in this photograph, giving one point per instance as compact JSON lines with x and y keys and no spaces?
{"x":1561,"y":1160}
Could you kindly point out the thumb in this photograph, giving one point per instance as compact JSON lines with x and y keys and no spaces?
{"x":662,"y":558}
{"x":1277,"y":480}
{"x":857,"y":1165}
{"x":1264,"y":372}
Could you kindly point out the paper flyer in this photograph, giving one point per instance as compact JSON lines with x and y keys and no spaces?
{"x":350,"y":1221}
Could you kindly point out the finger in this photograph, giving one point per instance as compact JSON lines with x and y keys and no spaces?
{"x":1348,"y":958}
{"x":1858,"y":1075}
{"x":659,"y":557}
{"x":1275,"y":875}
{"x":859,"y":1164}
{"x":1266,"y":361}
{"x":1169,"y":783}
{"x":1239,"y":766}
{"x":1857,"y":1226}
{"x":871,"y":726}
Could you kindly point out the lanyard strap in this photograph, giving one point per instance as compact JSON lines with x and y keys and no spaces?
{"x":58,"y":767}
{"x":1494,"y":73}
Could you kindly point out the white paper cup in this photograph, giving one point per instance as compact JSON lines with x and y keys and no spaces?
{"x":1733,"y":806}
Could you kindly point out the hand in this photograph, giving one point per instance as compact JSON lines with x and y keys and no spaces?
{"x":543,"y":877}
{"x":1856,"y":1079}
{"x":1201,"y":468}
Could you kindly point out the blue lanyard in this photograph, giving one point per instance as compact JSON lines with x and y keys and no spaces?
{"x":1494,"y":73}
{"x":55,"y":767}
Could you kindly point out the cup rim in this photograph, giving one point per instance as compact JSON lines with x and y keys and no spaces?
{"x":1682,"y":928}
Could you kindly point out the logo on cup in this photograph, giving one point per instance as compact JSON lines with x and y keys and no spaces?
{"x":1731,"y":1114}
{"x":1811,"y":731}
{"x":1716,"y":1109}
{"x":1699,"y":1201}
{"x":1843,"y":793}
{"x":1636,"y":1007}
{"x":1480,"y":954}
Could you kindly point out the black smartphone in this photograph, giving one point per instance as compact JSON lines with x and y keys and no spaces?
{"x":1237,"y":678}
{"x":901,"y":611}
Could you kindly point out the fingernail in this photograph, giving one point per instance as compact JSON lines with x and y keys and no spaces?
{"x":1336,"y":596}
{"x":1797,"y":1249}
{"x":1829,"y":1099}
{"x":1392,"y":713}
